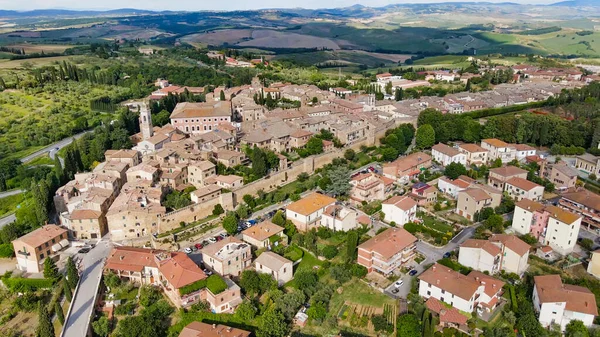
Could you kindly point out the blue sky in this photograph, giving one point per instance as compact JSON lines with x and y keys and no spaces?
{"x":194,"y":5}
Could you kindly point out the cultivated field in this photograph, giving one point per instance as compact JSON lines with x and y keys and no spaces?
{"x":38,"y":48}
{"x":275,"y":39}
{"x":35,"y":62}
{"x":219,"y":37}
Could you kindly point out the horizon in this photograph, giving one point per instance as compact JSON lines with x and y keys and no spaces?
{"x":233,"y":5}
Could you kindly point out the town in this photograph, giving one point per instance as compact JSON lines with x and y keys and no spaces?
{"x":280,"y":209}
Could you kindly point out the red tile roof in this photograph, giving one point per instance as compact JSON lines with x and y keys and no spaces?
{"x":389,"y":242}
{"x":447,"y":315}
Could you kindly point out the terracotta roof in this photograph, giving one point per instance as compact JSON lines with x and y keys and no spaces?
{"x":472,"y":148}
{"x":495,"y":142}
{"x":214,"y":248}
{"x":198,"y":329}
{"x":84,"y":214}
{"x":491,"y":285}
{"x":389,"y":242}
{"x":363,"y":219}
{"x":550,"y":289}
{"x":546,"y":249}
{"x":42,"y":235}
{"x":476,"y":193}
{"x":131,"y":259}
{"x":383,"y":75}
{"x":405,"y":203}
{"x":410,"y":161}
{"x":486,"y":245}
{"x":445,"y":149}
{"x":508,"y":171}
{"x":524,"y":147}
{"x":523,"y":184}
{"x":463,"y":181}
{"x":179,"y":270}
{"x":562,"y":215}
{"x":584,"y":197}
{"x":530,"y":205}
{"x":263,"y":230}
{"x":229,"y":179}
{"x":566,"y":170}
{"x":451,"y":281}
{"x":192,"y":110}
{"x":206,"y":190}
{"x":272,"y":261}
{"x":121,"y":153}
{"x":301,"y":133}
{"x":447,"y":315}
{"x":513,"y":243}
{"x":310,"y":204}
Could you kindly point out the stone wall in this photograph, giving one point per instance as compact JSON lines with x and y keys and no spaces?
{"x":195,"y":212}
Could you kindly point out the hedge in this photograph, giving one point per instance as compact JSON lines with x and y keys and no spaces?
{"x":7,"y":250}
{"x":500,"y":111}
{"x":215,"y":284}
{"x":193,"y":287}
{"x":210,"y":318}
{"x":22,"y":285}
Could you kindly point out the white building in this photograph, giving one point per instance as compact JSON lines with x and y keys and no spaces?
{"x":524,"y":151}
{"x":280,"y":268}
{"x":339,"y":218}
{"x":500,"y":252}
{"x":499,"y":149}
{"x":562,"y":230}
{"x":475,"y":291}
{"x":445,"y":155}
{"x":399,"y":209}
{"x":307,"y":212}
{"x":452,"y":187}
{"x":560,"y":303}
{"x":519,"y":189}
{"x":476,"y":155}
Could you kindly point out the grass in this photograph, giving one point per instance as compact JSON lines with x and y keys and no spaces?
{"x":36,"y":62}
{"x":438,"y":225}
{"x":38,"y":48}
{"x":358,"y":292}
{"x":190,"y":226}
{"x":9,"y":204}
{"x":41,"y":160}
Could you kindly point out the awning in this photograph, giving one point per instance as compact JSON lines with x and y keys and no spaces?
{"x":56,"y":247}
{"x":64,"y":243}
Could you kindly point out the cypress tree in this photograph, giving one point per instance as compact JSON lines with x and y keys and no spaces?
{"x":60,"y":315}
{"x":45,"y":327}
{"x":72,"y":273}
{"x":68,"y":292}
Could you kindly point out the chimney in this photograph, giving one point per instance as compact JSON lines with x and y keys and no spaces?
{"x":477,"y":278}
{"x":121,"y":257}
{"x":214,"y":326}
{"x":437,"y":282}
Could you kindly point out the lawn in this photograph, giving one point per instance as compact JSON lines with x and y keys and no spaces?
{"x":358,"y":292}
{"x":436,"y":224}
{"x":41,"y":160}
{"x":9,"y":204}
{"x":308,"y":262}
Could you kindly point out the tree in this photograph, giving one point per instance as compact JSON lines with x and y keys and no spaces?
{"x":218,"y":210}
{"x":306,"y":280}
{"x":388,"y":88}
{"x":45,"y":327}
{"x":279,"y":219}
{"x":289,"y":303}
{"x":408,"y":325}
{"x":340,"y":181}
{"x":314,"y":146}
{"x":586,"y":243}
{"x":51,"y":270}
{"x":242,"y":212}
{"x":495,"y":223}
{"x":67,"y":290}
{"x":259,"y":162}
{"x":250,"y":282}
{"x":399,"y":94}
{"x":40,"y":192}
{"x":272,"y":324}
{"x":380,"y":323}
{"x":329,"y":252}
{"x":302,"y":177}
{"x":454,"y":170}
{"x":149,"y":295}
{"x":72,"y":273}
{"x":349,"y":155}
{"x":351,"y":243}
{"x":101,"y":327}
{"x":246,"y":311}
{"x":317,"y":311}
{"x":111,"y":280}
{"x":425,"y":137}
{"x":575,"y":328}
{"x":222,"y":95}
{"x":230,"y":224}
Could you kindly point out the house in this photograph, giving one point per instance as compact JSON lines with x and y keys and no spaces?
{"x":519,"y":188}
{"x":524,"y":151}
{"x":369,"y":187}
{"x":448,"y":317}
{"x":499,"y":149}
{"x":229,"y":158}
{"x":197,"y":118}
{"x":205,"y":193}
{"x":34,"y":248}
{"x":399,"y":209}
{"x":423,"y":194}
{"x":500,"y":252}
{"x":406,"y":168}
{"x":306,"y":213}
{"x":474,"y":199}
{"x":452,"y":187}
{"x":342,"y":92}
{"x":229,"y":256}
{"x":584,"y":203}
{"x":476,"y":155}
{"x":199,"y":329}
{"x":280,"y":268}
{"x":387,"y":251}
{"x":551,"y":225}
{"x":385,"y":77}
{"x":594,"y":264}
{"x":85,"y":224}
{"x":200,"y":172}
{"x":500,"y":175}
{"x":445,"y":155}
{"x":229,"y":182}
{"x":560,"y":303}
{"x":475,"y":291}
{"x":588,"y":163}
{"x":562,"y":176}
{"x":131,"y":157}
{"x":264,"y":234}
{"x":339,"y":218}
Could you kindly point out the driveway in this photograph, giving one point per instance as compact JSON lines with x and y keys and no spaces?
{"x":78,"y":321}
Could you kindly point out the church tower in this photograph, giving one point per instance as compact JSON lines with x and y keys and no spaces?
{"x":146,"y":122}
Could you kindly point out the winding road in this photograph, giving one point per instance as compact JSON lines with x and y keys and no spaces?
{"x":52,"y":149}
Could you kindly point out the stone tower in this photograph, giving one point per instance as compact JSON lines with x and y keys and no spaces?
{"x":146,"y":122}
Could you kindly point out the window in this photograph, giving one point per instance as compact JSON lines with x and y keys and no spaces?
{"x":443,"y":291}
{"x":428,"y":293}
{"x":229,"y":263}
{"x":41,"y":256}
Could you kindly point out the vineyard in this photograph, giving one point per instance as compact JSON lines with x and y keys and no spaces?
{"x":363,"y":316}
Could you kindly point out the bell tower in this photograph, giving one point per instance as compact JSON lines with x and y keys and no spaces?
{"x":146,"y":122}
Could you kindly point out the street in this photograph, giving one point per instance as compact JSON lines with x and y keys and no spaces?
{"x":53,"y":148}
{"x":11,"y":192}
{"x":7,"y":219}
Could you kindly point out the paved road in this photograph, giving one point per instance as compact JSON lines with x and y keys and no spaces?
{"x":11,"y":192}
{"x":78,"y":321}
{"x":51,"y":149}
{"x":7,"y":219}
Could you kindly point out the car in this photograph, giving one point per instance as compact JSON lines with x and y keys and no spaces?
{"x":187,"y":250}
{"x":198,"y":245}
{"x":412,"y":272}
{"x":223,"y":235}
{"x":218,"y":238}
{"x":240,"y":228}
{"x":205,"y":243}
{"x":84,"y":250}
{"x":372,"y":169}
{"x":364,"y":171}
{"x":447,"y":255}
{"x":212,"y":240}
{"x":207,"y":272}
{"x":398,"y":283}
{"x":194,"y":248}
{"x":395,"y":290}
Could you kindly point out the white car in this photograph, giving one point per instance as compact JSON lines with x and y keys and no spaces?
{"x":188,"y":250}
{"x":398,"y":283}
{"x":212,"y":240}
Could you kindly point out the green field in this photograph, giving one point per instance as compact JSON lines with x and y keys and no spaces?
{"x":8,"y":205}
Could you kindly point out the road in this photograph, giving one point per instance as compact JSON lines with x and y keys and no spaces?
{"x":7,"y":219}
{"x":11,"y":192}
{"x":78,"y":322}
{"x":52,"y":148}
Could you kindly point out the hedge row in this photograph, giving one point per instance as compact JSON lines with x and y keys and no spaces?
{"x":22,"y":285}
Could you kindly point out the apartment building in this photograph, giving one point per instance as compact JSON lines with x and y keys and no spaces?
{"x":264,"y":234}
{"x":519,"y":189}
{"x":558,"y":303}
{"x":500,"y":252}
{"x":499,"y":149}
{"x":584,"y":203}
{"x":200,"y":172}
{"x":499,"y":176}
{"x":562,"y":176}
{"x":476,"y":291}
{"x":588,"y":163}
{"x":424,"y":194}
{"x":387,"y":251}
{"x":452,"y":187}
{"x":306,"y":213}
{"x":594,"y":264}
{"x":475,"y":198}
{"x":229,"y":256}
{"x":406,"y":168}
{"x":399,"y":209}
{"x":445,"y":155}
{"x":339,"y":218}
{"x":369,"y":187}
{"x":475,"y":154}
{"x":196,"y":118}
{"x":34,"y":248}
{"x":280,"y":268}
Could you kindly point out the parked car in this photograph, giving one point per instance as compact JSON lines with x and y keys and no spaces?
{"x":205,"y":243}
{"x":218,"y":238}
{"x":447,"y":255}
{"x":194,"y":248}
{"x":372,"y":169}
{"x":212,"y":240}
{"x":412,"y":272}
{"x":395,"y":290}
{"x":223,"y":235}
{"x":84,"y":250}
{"x":199,"y":246}
{"x":188,"y":250}
{"x":398,"y":283}
{"x":207,"y":272}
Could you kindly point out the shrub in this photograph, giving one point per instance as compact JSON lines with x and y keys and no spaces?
{"x":216,"y":284}
{"x":329,"y":252}
{"x":23,"y":285}
{"x":7,"y":250}
{"x":190,"y":288}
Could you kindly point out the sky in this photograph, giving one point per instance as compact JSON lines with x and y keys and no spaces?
{"x":195,"y":5}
